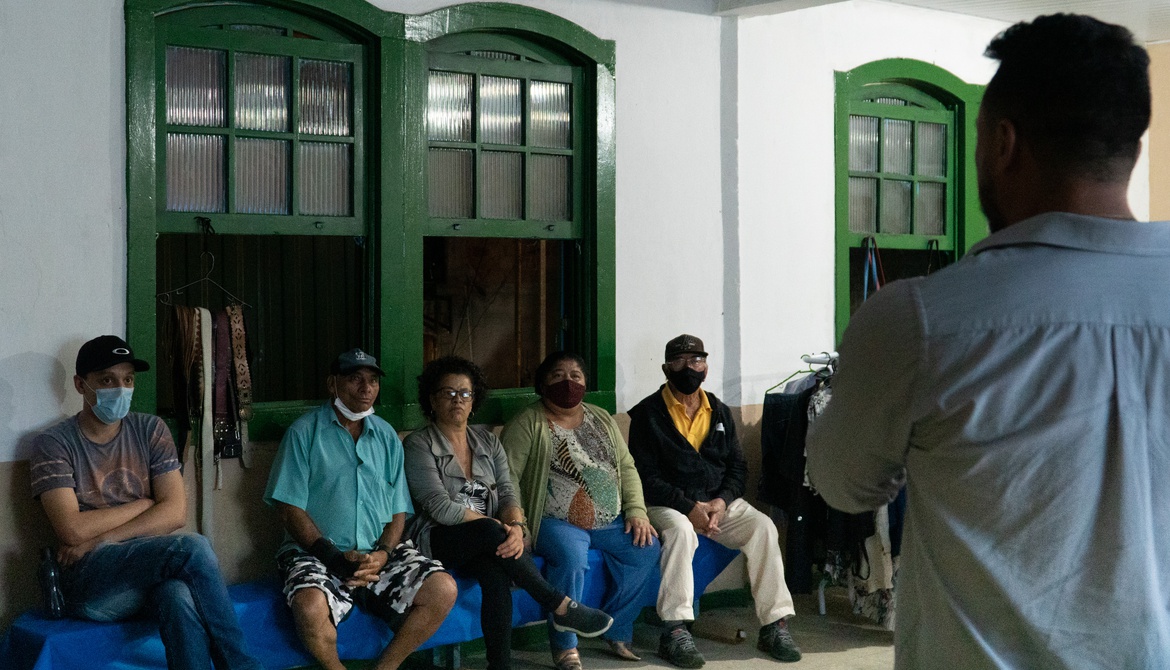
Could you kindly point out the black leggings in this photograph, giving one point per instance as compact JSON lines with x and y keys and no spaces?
{"x":470,"y":548}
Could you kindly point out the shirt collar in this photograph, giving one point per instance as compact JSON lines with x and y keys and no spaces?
{"x":1088,"y":233}
{"x":327,"y":408}
{"x":671,"y":401}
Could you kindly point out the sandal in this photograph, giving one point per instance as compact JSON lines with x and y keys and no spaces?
{"x":568,"y":659}
{"x":622,"y":650}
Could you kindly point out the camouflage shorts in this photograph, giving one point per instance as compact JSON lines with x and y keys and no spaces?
{"x":389,"y":597}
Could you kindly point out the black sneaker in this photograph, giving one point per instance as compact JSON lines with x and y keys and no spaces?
{"x":678,"y":646}
{"x":776,"y":639}
{"x":582,"y":620}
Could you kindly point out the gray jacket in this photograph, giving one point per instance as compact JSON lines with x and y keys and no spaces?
{"x":435,"y":478}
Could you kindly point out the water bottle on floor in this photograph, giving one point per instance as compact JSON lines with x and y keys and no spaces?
{"x":49,"y":576}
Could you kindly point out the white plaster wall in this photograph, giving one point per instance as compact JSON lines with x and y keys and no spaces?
{"x":786,"y":162}
{"x":62,"y":202}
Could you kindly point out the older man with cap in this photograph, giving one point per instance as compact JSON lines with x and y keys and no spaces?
{"x":693,"y":476}
{"x":110,"y":484}
{"x":339,"y":485}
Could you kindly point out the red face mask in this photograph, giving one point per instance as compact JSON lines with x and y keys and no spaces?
{"x":565,"y":394}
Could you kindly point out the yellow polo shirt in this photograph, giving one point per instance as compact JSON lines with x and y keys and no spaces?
{"x":694,"y":429}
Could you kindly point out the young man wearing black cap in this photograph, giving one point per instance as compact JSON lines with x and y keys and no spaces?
{"x":339,"y":485}
{"x":110,"y":484}
{"x":693,"y":477}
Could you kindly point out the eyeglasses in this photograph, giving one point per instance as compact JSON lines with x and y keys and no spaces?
{"x":694,"y":362}
{"x":449,"y":393}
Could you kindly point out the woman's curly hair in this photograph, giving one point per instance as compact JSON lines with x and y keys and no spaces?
{"x":433,"y":373}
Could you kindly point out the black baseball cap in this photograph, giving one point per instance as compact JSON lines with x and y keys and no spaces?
{"x":684,"y":344}
{"x":104,"y":352}
{"x":352,"y":360}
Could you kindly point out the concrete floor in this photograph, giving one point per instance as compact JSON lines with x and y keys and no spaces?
{"x":838,"y":641}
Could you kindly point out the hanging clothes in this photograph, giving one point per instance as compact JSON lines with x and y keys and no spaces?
{"x":824,"y":546}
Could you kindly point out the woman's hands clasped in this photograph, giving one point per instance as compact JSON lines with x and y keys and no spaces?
{"x":513,"y":546}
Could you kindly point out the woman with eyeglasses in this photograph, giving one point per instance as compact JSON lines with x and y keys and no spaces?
{"x":467,"y":513}
{"x":579,"y":484}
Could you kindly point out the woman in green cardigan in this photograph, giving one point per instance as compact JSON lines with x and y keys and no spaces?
{"x":577,"y":480}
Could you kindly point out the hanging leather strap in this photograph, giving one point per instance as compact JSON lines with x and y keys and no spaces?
{"x":227,"y":432}
{"x":243,"y":379}
{"x":206,"y":452}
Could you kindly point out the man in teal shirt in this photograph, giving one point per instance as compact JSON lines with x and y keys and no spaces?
{"x":338,"y":483}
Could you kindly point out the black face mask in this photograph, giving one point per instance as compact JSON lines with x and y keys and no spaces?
{"x":687,"y":381}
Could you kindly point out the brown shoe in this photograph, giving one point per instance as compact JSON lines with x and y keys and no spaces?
{"x":622,"y":650}
{"x":568,"y":659}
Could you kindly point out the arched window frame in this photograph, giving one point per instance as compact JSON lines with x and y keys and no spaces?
{"x":937,"y":96}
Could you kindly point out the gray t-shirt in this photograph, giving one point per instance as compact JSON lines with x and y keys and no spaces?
{"x":103,"y":475}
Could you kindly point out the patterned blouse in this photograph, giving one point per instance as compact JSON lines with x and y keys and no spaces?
{"x":473,"y":495}
{"x":582,"y":483}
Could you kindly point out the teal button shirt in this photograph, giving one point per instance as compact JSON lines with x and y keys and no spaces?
{"x":350,"y":490}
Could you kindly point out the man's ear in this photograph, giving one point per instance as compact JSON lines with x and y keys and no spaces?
{"x":1005,"y":146}
{"x":331,"y":385}
{"x":78,"y":385}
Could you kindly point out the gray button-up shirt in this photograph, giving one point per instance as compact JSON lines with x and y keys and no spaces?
{"x":1025,"y":390}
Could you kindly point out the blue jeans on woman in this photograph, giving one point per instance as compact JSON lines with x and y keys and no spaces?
{"x":174,"y":578}
{"x":631,"y":568}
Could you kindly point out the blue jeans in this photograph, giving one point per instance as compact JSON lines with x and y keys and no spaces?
{"x":564,"y":547}
{"x":172,"y":577}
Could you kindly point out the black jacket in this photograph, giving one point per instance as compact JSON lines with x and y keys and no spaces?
{"x":673,"y":473}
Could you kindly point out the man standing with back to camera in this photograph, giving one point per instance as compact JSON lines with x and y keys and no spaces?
{"x":1023,"y":393}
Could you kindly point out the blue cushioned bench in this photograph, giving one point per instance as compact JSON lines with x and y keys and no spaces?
{"x":36,"y":643}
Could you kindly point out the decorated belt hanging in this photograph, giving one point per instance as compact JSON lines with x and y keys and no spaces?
{"x":226,"y":427}
{"x":243,"y":379}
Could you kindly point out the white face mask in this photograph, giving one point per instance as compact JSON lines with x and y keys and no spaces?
{"x":349,"y":414}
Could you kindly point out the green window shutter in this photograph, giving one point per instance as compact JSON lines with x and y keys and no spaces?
{"x":905,"y":173}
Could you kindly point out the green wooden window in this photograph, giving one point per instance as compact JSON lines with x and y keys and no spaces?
{"x":905,"y":173}
{"x":308,"y":158}
{"x":260,"y":156}
{"x":505,"y":152}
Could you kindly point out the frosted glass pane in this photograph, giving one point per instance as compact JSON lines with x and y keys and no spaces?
{"x":494,"y":55}
{"x":325,"y":179}
{"x":262,"y":92}
{"x":931,"y":149}
{"x":449,"y":107}
{"x":503,"y":185}
{"x":930,"y":209}
{"x":548,"y":188}
{"x":863,"y":143}
{"x":195,"y":173}
{"x":326,"y":91}
{"x":450,"y":180}
{"x":550,"y":115}
{"x":896,"y":146}
{"x":261,"y":174}
{"x":501,"y":116}
{"x":896,"y":197}
{"x":862,"y":205}
{"x":195,"y":87}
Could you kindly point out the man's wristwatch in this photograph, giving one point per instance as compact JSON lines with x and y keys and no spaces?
{"x":378,"y":546}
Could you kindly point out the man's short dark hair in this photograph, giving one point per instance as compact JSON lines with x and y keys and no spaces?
{"x":1077,"y":89}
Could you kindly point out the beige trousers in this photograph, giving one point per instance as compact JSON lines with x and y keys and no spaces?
{"x":743,"y":527}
